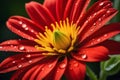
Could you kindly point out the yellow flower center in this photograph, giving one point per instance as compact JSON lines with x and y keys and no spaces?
{"x":59,"y":40}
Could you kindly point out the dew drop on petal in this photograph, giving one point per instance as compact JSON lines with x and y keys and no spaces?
{"x":30,"y":61}
{"x":94,"y":24}
{"x":11,"y":45}
{"x":50,"y":65}
{"x":19,"y":66}
{"x":98,"y":40}
{"x":32,"y":30}
{"x":13,"y":62}
{"x":15,"y":47}
{"x":91,"y":30}
{"x":28,"y":56}
{"x":76,"y":64}
{"x":105,"y":35}
{"x":62,"y":65}
{"x":83,"y":56}
{"x":24,"y":25}
{"x":108,"y":11}
{"x":20,"y":22}
{"x":101,"y":4}
{"x":91,"y":43}
{"x":99,"y":19}
{"x":22,"y":58}
{"x":21,"y":48}
{"x":26,"y":28}
{"x":87,"y":21}
{"x":1,"y":47}
{"x":57,"y":71}
{"x":104,"y":15}
{"x":95,"y":14}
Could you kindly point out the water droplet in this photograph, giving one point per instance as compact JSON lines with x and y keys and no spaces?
{"x":30,"y":61}
{"x":22,"y":58}
{"x":83,"y":56}
{"x":104,"y":15}
{"x":91,"y":30}
{"x":76,"y":4}
{"x":11,"y":45}
{"x":19,"y":66}
{"x":108,"y":11}
{"x":32,"y":30}
{"x":28,"y":56}
{"x":101,"y":4}
{"x":95,"y":14}
{"x":24,"y":25}
{"x":105,"y":35}
{"x":94,"y":24}
{"x":26,"y":28}
{"x":15,"y":47}
{"x":20,"y":22}
{"x":57,"y":71}
{"x":13,"y":62}
{"x":98,"y":40}
{"x":1,"y":47}
{"x":91,"y":43}
{"x":50,"y":65}
{"x":21,"y":48}
{"x":62,"y":65}
{"x":99,"y":19}
{"x":76,"y":64}
{"x":87,"y":21}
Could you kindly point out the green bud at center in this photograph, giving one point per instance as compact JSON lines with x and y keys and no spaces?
{"x":60,"y":40}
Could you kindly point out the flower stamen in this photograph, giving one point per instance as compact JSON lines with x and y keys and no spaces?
{"x":60,"y":39}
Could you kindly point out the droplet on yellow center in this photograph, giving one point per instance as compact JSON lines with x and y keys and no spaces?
{"x":60,"y":40}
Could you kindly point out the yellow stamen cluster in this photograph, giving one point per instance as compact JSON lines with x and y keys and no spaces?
{"x":59,"y":40}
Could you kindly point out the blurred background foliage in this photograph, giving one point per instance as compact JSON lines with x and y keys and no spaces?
{"x":17,"y":7}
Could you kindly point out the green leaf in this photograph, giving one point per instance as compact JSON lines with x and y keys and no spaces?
{"x":111,"y":66}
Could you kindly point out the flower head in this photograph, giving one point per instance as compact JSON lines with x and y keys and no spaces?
{"x":60,"y":37}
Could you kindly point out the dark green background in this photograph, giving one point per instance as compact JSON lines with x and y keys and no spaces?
{"x":17,"y":7}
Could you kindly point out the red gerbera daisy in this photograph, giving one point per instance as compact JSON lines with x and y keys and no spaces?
{"x":60,"y":38}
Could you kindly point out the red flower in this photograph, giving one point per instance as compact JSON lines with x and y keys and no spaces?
{"x":60,"y":38}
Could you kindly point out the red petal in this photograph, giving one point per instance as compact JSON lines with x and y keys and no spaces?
{"x":60,"y":6}
{"x":105,"y":4}
{"x":18,"y":46}
{"x":48,"y":65}
{"x":58,"y":71}
{"x":24,"y":27}
{"x":39,"y":13}
{"x":31,"y":72}
{"x":75,"y":70}
{"x":103,"y":34}
{"x":99,"y":5}
{"x":68,"y":8}
{"x":94,"y":54}
{"x":19,"y":61}
{"x":18,"y":75}
{"x":51,"y":5}
{"x":96,"y":21}
{"x":112,"y":46}
{"x":78,"y":9}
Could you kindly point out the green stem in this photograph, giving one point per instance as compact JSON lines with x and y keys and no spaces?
{"x":91,"y":74}
{"x":103,"y":75}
